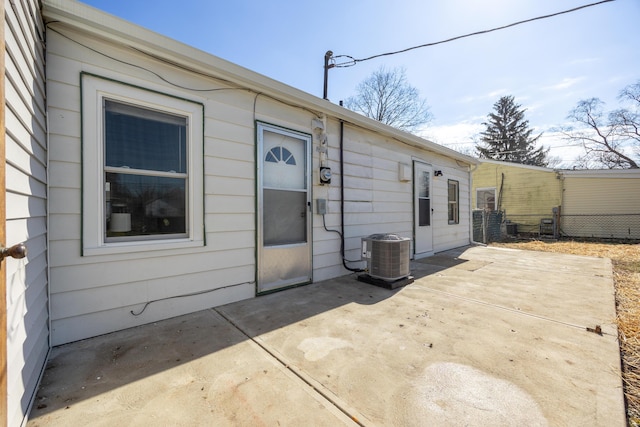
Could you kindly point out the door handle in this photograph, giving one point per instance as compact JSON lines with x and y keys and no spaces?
{"x":16,"y":251}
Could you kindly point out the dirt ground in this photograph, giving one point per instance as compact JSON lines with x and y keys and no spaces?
{"x":625,"y":258}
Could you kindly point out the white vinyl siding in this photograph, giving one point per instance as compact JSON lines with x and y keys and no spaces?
{"x":445,"y":235}
{"x":454,"y":201}
{"x":95,"y":294}
{"x":377,"y":201}
{"x":26,"y":204}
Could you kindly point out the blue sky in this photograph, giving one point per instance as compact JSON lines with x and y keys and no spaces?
{"x":547,"y":65}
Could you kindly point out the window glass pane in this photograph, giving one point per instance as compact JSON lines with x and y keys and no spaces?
{"x":280,"y":154}
{"x":139,"y":205}
{"x":284,"y":165}
{"x":285,"y":217}
{"x":453,"y":191}
{"x":423,"y":185}
{"x":453,"y":201}
{"x":486,"y":199}
{"x":424,"y":212}
{"x":140,"y":138}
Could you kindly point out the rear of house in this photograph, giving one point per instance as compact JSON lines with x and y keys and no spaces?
{"x":179,"y":181}
{"x":158,"y":180}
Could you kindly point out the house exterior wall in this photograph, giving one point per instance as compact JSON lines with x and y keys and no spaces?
{"x":526,"y":193}
{"x":26,"y":204}
{"x":447,"y":236}
{"x":91,"y":295}
{"x":95,"y":294}
{"x":377,"y":201}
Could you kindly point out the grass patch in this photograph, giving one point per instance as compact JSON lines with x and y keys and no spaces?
{"x":625,"y":259}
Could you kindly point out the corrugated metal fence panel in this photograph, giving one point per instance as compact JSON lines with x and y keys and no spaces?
{"x":601,"y":196}
{"x":601,"y":207}
{"x":26,"y":177}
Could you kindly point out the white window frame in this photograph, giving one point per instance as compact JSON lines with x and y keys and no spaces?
{"x":94,"y":89}
{"x":487,"y":189}
{"x":455,"y":203}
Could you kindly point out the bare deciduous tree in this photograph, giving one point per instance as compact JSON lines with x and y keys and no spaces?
{"x":611,"y":140}
{"x":386,"y":96}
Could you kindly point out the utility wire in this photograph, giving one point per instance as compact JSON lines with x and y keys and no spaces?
{"x":353,"y":61}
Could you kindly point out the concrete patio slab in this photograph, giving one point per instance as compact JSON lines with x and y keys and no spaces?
{"x":484,"y":336}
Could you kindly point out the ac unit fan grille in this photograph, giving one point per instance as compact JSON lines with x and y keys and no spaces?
{"x":388,"y":259}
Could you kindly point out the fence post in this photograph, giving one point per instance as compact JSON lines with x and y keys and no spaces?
{"x":556,"y":221}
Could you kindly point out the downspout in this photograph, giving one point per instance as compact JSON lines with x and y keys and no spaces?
{"x":471,"y":171}
{"x":342,"y":190}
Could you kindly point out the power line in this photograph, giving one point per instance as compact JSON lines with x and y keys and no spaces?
{"x":353,"y":61}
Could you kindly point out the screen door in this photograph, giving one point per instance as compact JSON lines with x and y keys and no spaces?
{"x":284,"y":201}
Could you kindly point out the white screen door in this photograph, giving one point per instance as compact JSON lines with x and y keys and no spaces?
{"x":284,"y":223}
{"x":423,"y":208}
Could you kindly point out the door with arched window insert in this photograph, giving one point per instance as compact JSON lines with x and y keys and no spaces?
{"x":284,"y":219}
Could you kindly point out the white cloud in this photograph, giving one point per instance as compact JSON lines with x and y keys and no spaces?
{"x":496,"y":93}
{"x":482,"y":97}
{"x":455,"y":136}
{"x":583,"y":61}
{"x":565,"y":83}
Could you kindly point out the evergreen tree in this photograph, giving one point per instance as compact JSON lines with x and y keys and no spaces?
{"x":508,"y":137}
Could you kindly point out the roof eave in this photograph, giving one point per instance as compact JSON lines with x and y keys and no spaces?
{"x":109,"y":27}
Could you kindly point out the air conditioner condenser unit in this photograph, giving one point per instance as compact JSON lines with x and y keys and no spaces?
{"x":387,"y":257}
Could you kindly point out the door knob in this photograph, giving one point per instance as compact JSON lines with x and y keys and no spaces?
{"x":15,"y":251}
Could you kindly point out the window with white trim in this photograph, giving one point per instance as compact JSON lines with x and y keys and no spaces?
{"x":142,"y":169}
{"x":486,"y":198}
{"x":454,"y":205}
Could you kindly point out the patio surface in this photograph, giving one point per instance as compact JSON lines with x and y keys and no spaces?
{"x":484,"y":336}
